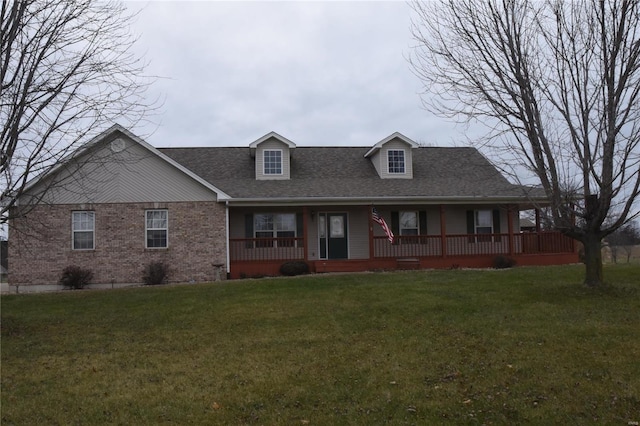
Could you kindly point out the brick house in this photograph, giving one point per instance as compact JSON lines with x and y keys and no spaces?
{"x":211,"y":213}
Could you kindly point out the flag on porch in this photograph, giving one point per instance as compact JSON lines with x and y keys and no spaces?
{"x":382,"y":223}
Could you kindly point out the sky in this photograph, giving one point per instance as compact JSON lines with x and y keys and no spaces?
{"x":322,"y":73}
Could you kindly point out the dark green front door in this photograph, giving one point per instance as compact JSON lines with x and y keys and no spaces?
{"x":337,"y":235}
{"x":333,"y":236}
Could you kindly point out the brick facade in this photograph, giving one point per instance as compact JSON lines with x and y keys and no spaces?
{"x":40,"y":244}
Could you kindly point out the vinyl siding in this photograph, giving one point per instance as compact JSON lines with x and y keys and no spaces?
{"x":273,"y":144}
{"x":132,"y":175}
{"x":381,"y":163}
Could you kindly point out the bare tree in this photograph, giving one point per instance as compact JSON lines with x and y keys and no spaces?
{"x":558,"y":85}
{"x":68,"y":71}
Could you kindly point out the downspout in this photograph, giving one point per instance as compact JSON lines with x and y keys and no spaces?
{"x":226,"y":220}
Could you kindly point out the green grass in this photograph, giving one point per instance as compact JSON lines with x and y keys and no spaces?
{"x":519,"y":346}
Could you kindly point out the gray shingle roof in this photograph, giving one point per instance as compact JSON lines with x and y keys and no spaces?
{"x":344,"y":172}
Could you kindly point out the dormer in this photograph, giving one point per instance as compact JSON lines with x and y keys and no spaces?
{"x":272,"y":154}
{"x":392,"y":157}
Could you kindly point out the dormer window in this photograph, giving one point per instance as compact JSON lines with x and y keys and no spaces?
{"x":396,"y":161}
{"x":272,"y":161}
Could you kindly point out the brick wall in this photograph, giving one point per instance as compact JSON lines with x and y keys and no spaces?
{"x":40,"y":244}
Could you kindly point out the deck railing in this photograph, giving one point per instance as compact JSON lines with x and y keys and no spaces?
{"x":267,"y":249}
{"x":264,"y":249}
{"x":473,"y":245}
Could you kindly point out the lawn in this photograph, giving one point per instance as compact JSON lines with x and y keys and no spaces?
{"x":518,"y":346}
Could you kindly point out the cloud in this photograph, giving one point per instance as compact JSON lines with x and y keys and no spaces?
{"x":319,"y":73}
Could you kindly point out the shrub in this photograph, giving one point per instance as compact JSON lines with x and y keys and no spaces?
{"x":294,"y":268}
{"x":503,"y":262}
{"x":155,"y":273}
{"x":75,"y":277}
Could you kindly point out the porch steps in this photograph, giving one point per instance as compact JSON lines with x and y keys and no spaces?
{"x":408,"y":263}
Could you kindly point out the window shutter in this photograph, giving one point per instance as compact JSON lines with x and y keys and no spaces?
{"x":471,"y":224}
{"x":248,"y":229}
{"x":395,"y":223}
{"x":496,"y":224}
{"x":423,"y":222}
{"x":299,"y":227}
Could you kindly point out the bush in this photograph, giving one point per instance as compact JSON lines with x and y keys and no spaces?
{"x":503,"y":262}
{"x":155,"y":273}
{"x":75,"y":277}
{"x":294,"y":268}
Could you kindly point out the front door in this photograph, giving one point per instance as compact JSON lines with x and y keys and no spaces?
{"x":333,"y":236}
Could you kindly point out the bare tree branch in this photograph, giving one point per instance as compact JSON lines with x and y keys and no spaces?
{"x":68,"y":72}
{"x":557,"y":83}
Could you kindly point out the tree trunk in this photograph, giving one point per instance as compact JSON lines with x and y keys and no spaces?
{"x":593,"y":260}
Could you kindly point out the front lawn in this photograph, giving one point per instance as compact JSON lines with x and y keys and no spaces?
{"x":525,"y":345}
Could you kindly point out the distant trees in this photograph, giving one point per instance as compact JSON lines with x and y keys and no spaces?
{"x":557,"y":85}
{"x":623,"y":241}
{"x":68,"y":71}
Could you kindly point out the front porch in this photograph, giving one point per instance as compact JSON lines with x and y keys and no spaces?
{"x":251,"y":257}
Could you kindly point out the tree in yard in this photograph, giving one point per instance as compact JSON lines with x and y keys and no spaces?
{"x":557,"y":83}
{"x":68,"y":70}
{"x":624,"y":239}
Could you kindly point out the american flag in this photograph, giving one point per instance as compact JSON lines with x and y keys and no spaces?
{"x":382,"y":223}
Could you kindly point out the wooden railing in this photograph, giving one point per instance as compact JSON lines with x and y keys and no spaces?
{"x":264,"y":249}
{"x":267,"y":249}
{"x":473,"y":245}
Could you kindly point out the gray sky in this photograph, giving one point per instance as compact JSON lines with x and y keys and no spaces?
{"x":318,"y":73}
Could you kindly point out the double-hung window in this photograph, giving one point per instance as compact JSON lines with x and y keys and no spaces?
{"x":275,"y":225}
{"x":484,"y":224}
{"x":409,"y":223}
{"x":83,"y":225}
{"x":396,"y":160}
{"x":272,"y":161}
{"x":157,"y":229}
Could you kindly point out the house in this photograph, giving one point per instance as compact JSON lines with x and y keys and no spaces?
{"x":120,"y":204}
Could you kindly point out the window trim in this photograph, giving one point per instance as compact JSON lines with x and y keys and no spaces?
{"x":392,"y":170}
{"x":92,"y":230}
{"x":401,"y":228}
{"x":274,"y":229}
{"x":147,"y":229}
{"x":264,"y":162}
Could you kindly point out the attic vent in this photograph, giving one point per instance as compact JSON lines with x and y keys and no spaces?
{"x":117,"y":145}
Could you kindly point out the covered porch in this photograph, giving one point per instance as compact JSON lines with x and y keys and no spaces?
{"x":366,"y":247}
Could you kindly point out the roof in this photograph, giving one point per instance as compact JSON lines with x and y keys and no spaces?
{"x":323,"y":173}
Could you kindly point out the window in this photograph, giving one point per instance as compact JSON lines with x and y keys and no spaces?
{"x":157,"y":227}
{"x":396,"y":160}
{"x":83,"y":229}
{"x":275,"y":225}
{"x":483,"y":223}
{"x":272,"y":162}
{"x":409,"y":223}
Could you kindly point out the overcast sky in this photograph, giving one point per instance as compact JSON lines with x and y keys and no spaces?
{"x":318,"y":73}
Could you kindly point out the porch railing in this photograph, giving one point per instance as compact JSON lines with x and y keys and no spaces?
{"x":268,"y":249}
{"x":264,"y":249}
{"x":473,"y":244}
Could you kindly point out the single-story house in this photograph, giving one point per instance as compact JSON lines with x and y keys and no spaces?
{"x":119,"y":204}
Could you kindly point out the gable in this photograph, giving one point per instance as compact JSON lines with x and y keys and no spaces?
{"x":272,"y":154}
{"x":120,"y":169}
{"x":392,"y":157}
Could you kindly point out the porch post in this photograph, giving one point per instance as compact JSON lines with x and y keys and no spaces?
{"x":443,"y":231}
{"x":305,"y":232}
{"x":371,"y":246}
{"x":510,"y":224}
